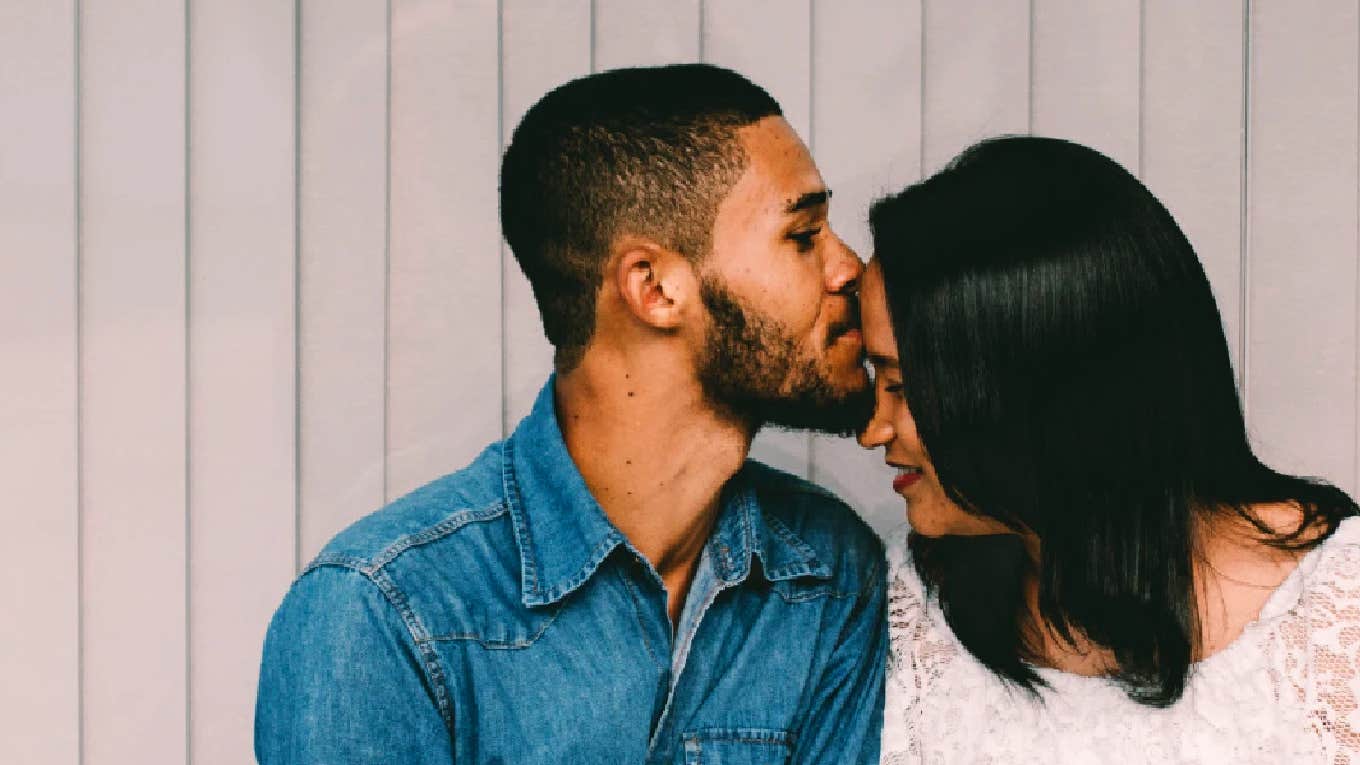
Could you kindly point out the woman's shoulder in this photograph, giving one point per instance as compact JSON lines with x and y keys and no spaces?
{"x":895,"y":544}
{"x":921,"y":643}
{"x":906,"y":592}
{"x":1326,"y":581}
{"x":1311,"y":631}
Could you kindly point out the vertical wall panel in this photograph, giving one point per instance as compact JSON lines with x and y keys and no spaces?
{"x":1301,"y":257}
{"x":976,"y":75}
{"x":259,"y":371}
{"x":543,"y":45}
{"x":444,"y":342}
{"x":241,"y":356}
{"x":40,"y":633}
{"x":866,"y":117}
{"x":1192,"y":135}
{"x":132,"y":379}
{"x":645,"y":32}
{"x":342,"y":217}
{"x":770,"y":42}
{"x":1086,"y":74}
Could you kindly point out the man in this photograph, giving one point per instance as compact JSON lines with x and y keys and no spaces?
{"x":615,"y":582}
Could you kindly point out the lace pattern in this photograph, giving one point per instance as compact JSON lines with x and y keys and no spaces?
{"x":1287,"y":690}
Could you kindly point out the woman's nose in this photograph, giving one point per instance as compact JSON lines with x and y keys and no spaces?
{"x":877,"y":433}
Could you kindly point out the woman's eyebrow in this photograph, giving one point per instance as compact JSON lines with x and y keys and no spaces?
{"x":879,"y":360}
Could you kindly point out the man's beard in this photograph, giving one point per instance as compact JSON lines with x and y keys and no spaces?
{"x":754,"y":373}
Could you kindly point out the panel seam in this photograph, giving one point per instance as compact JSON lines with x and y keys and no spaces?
{"x":1029,"y":96}
{"x":1244,"y":231}
{"x":188,"y":386}
{"x":80,"y":394}
{"x":387,"y":267}
{"x":500,"y":151}
{"x":703,"y":13}
{"x":1142,"y":83}
{"x":297,"y":285}
{"x":921,"y":102}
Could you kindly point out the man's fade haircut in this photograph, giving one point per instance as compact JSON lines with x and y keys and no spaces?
{"x":646,"y":151}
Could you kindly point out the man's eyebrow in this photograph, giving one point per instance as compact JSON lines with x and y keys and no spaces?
{"x":808,"y":201}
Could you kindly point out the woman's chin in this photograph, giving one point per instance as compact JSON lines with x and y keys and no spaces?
{"x":930,"y":519}
{"x":927,"y":523}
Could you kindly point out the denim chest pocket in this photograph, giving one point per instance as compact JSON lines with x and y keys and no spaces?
{"x":737,"y":746}
{"x":497,"y":631}
{"x":467,"y":621}
{"x":804,"y":590}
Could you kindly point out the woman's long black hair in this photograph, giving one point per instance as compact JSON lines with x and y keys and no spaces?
{"x":1067,"y":369}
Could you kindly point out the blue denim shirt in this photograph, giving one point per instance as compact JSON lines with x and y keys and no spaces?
{"x":497,"y":616}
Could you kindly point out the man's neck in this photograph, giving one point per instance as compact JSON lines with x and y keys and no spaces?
{"x":655,"y":456}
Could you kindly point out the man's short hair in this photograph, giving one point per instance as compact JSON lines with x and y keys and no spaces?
{"x":645,"y":151}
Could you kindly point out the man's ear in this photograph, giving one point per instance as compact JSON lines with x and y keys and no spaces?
{"x":654,"y":282}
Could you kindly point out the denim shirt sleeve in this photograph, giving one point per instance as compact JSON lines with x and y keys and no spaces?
{"x":845,"y":720}
{"x":342,"y":679}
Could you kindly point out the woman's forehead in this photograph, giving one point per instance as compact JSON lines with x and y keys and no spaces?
{"x":879,"y":343}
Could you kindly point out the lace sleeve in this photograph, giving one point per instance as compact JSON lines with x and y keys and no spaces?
{"x":1317,"y":656}
{"x":918,"y":652}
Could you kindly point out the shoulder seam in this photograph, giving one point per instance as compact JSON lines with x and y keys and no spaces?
{"x":453,"y":522}
{"x":430,"y":665}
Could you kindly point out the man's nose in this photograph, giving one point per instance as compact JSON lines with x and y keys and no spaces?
{"x":843,"y":268}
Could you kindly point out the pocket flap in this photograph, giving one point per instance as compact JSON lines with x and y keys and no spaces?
{"x":737,"y":746}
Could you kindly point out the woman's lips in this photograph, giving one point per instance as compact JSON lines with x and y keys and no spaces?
{"x":905,"y":479}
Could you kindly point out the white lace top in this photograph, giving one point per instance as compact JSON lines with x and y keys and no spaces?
{"x":1285,"y":691}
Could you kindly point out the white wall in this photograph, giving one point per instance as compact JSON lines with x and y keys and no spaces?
{"x":252,"y":285}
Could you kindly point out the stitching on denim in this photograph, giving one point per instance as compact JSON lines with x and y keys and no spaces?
{"x":791,"y":539}
{"x":530,"y":575}
{"x":430,"y":664}
{"x":810,"y":566}
{"x":497,"y":645}
{"x":734,"y":569}
{"x":527,"y":571}
{"x":814,"y":594}
{"x":736,"y":739}
{"x":748,"y":536}
{"x":740,"y":736}
{"x":637,"y":611}
{"x":688,"y":642}
{"x":438,"y":531}
{"x":597,"y":557}
{"x":336,"y":559}
{"x":873,"y":584}
{"x":455,"y":521}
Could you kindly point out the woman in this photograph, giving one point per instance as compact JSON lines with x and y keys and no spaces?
{"x":1100,"y":568}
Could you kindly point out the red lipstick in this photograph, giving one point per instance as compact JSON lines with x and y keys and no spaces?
{"x":903,"y":480}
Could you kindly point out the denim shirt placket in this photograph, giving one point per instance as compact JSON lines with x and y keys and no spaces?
{"x":704,"y":589}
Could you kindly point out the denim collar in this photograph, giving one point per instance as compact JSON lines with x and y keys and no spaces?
{"x":564,"y":535}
